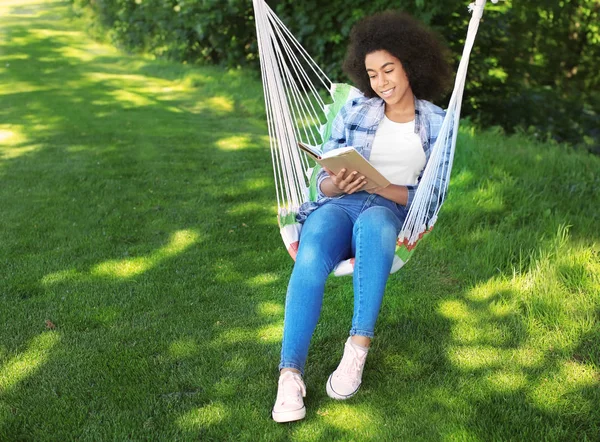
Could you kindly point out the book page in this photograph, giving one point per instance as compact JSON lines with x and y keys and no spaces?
{"x":337,"y":152}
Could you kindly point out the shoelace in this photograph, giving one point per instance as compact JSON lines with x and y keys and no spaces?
{"x":290,"y":384}
{"x":351,"y":364}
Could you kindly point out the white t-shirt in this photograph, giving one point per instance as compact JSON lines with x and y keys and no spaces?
{"x":397,"y":152}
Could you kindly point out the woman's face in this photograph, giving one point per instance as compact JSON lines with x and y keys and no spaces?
{"x":388,"y":78}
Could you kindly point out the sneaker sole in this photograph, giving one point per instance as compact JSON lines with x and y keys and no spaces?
{"x":289,"y":416}
{"x":333,"y":395}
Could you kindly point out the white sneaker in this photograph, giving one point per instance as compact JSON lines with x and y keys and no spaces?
{"x":289,"y":405}
{"x":345,"y":381}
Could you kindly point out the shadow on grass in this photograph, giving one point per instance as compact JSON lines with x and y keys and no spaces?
{"x":138,"y":216}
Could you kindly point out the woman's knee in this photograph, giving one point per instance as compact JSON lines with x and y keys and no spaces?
{"x":379,"y":219}
{"x":310,"y":253}
{"x":324,"y":224}
{"x":325,"y":240}
{"x":323,"y":220}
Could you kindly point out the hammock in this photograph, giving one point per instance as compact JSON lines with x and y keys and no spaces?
{"x":301,"y":104}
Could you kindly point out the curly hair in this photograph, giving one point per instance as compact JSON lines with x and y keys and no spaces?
{"x":423,"y":56}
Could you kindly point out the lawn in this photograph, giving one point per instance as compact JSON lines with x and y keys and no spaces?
{"x":143,"y":277}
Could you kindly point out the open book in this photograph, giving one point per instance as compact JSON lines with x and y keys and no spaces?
{"x":347,"y":158}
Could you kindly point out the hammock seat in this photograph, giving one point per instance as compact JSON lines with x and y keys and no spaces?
{"x":301,"y":104}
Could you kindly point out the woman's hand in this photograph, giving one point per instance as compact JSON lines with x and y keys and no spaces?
{"x":342,"y":182}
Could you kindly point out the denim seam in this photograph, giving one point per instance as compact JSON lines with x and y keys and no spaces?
{"x":283,"y":337}
{"x":366,"y":204}
{"x":358,"y":270}
{"x":343,"y":254}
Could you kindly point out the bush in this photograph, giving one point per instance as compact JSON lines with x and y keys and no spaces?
{"x":533,"y":65}
{"x":213,"y":31}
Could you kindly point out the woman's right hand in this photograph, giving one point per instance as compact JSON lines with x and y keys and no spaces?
{"x":342,"y":183}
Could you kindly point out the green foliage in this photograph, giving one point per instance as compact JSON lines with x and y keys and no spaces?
{"x":533,"y":66}
{"x":215,"y":31}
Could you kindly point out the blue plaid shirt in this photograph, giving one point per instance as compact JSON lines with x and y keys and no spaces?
{"x":356,"y":124}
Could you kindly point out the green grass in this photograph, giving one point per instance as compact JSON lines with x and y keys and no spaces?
{"x":137,"y":215}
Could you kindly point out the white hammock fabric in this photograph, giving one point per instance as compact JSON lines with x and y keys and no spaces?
{"x":294,"y":87}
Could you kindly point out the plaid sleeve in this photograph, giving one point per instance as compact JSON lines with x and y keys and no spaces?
{"x":411,"y":194}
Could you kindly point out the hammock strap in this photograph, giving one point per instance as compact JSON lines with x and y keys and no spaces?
{"x":294,"y":106}
{"x":434,"y":182}
{"x":266,"y":54}
{"x":306,"y":116}
{"x":281,"y":128}
{"x":291,"y":102}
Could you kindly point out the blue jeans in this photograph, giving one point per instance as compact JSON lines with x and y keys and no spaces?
{"x":361,"y":225}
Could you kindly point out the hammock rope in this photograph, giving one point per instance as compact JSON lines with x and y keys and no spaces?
{"x":442,"y":158}
{"x":294,"y":86}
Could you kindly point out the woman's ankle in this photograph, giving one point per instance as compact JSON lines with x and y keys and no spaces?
{"x":362,"y":341}
{"x":293,"y":370}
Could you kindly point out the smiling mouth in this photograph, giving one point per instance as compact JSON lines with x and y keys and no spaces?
{"x":387,"y":93}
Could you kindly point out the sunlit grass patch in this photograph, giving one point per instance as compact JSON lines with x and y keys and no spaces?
{"x":351,"y":417}
{"x":476,"y":357}
{"x":129,"y":267}
{"x":124,"y":268}
{"x":264,"y":279}
{"x":257,"y":183}
{"x":206,"y":416}
{"x":81,"y":54}
{"x":61,"y":276}
{"x":556,"y":390}
{"x":12,"y":57}
{"x":14,"y":142}
{"x":238,"y":335}
{"x":487,"y":197}
{"x":130,"y":80}
{"x":131,"y":98}
{"x":23,"y":365}
{"x":269,"y":309}
{"x":468,"y":332}
{"x":30,"y":8}
{"x":309,"y":430}
{"x":271,"y":333}
{"x":507,"y":380}
{"x":182,"y":348}
{"x":234,"y":143}
{"x":455,"y":310}
{"x":528,"y":356}
{"x":220,"y":104}
{"x":225,"y":272}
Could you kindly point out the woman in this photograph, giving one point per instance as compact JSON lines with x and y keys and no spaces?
{"x":396,"y":63}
